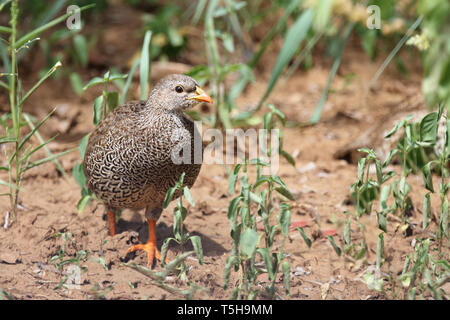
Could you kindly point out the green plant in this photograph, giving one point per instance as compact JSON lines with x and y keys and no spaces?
{"x":420,"y":149}
{"x":60,"y":260}
{"x":5,"y":295}
{"x":436,"y":55}
{"x":168,"y":34}
{"x":158,"y":278}
{"x":179,"y":214}
{"x":220,"y":66}
{"x":249,"y":256}
{"x":422,"y":273}
{"x":178,"y":265}
{"x":20,"y":155}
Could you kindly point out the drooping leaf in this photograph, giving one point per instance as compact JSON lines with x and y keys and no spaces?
{"x":305,"y":237}
{"x":249,"y":240}
{"x":188,"y":196}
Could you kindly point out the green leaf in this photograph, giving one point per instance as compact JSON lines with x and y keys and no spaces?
{"x":232,"y":182}
{"x":84,"y":201}
{"x":382,"y":224}
{"x":93,"y":82}
{"x":112,"y":100}
{"x":255,"y":198}
{"x":426,"y":215}
{"x":285,"y":218}
{"x":322,"y":14}
{"x":443,"y":221}
{"x":286,"y":269}
{"x":372,"y":282}
{"x":145,"y":65}
{"x":389,"y":158}
{"x":32,"y":132}
{"x":7,"y":140}
{"x":47,"y":159}
{"x":197,"y":244}
{"x":98,"y":109}
{"x":126,"y":87}
{"x":231,"y":261}
{"x":169,"y":197}
{"x":232,"y":208}
{"x":428,"y":127}
{"x":249,"y":240}
{"x":4,"y":183}
{"x":399,"y":124}
{"x":267,"y":120}
{"x":188,"y":196}
{"x":78,"y":175}
{"x":164,"y":249}
{"x":79,"y":42}
{"x":385,"y":191}
{"x":294,"y":37}
{"x":83,"y":145}
{"x":305,"y":237}
{"x":260,"y":181}
{"x":347,"y":231}
{"x":76,"y":83}
{"x":380,"y":251}
{"x":38,"y":83}
{"x":265,"y":255}
{"x":285,"y":192}
{"x":115,"y":76}
{"x":361,"y":166}
{"x":288,"y":157}
{"x":427,"y":176}
{"x":335,"y":246}
{"x":379,"y":171}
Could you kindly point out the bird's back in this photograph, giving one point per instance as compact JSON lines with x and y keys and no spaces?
{"x":129,"y":158}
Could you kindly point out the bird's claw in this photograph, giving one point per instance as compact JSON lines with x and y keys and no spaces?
{"x":150,"y":248}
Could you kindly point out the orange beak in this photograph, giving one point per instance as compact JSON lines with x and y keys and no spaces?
{"x":202,"y":96}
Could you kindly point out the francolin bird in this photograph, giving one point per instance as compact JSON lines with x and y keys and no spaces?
{"x":129,"y":157}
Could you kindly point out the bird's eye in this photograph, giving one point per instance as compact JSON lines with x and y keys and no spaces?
{"x":179,"y":89}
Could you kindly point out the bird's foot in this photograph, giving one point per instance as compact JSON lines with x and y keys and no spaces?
{"x":150,"y":248}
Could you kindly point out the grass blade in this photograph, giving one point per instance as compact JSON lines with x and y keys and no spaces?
{"x":33,"y":131}
{"x":294,"y":37}
{"x":395,"y":50}
{"x":48,"y":74}
{"x":337,"y":61}
{"x":33,"y":34}
{"x":45,"y":160}
{"x":426,"y":212}
{"x":335,"y":246}
{"x":145,"y":65}
{"x":198,"y":11}
{"x":44,"y":144}
{"x":126,"y":87}
{"x":305,"y":237}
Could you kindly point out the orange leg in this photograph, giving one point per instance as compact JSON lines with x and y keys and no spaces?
{"x":111,"y":223}
{"x":150,"y":246}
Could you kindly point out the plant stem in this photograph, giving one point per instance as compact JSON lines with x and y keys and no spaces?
{"x":15,"y":111}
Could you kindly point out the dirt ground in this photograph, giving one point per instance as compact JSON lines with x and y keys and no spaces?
{"x":320,"y":183}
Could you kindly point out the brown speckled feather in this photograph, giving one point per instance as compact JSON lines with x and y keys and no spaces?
{"x":128,"y":160}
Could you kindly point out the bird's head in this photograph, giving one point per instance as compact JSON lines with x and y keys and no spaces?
{"x":177,"y":92}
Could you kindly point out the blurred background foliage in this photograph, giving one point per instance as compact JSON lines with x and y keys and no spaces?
{"x":230,"y":40}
